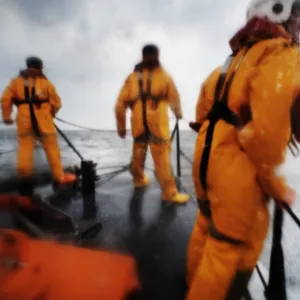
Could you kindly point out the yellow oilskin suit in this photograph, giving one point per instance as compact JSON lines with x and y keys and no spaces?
{"x":232,"y":224}
{"x":46,"y":103}
{"x":148,"y":94}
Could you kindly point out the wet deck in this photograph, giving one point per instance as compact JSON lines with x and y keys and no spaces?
{"x":137,"y":222}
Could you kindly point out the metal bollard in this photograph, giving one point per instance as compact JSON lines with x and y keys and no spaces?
{"x":88,"y":188}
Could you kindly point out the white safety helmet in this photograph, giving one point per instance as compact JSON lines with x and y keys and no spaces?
{"x":276,"y":11}
{"x":284,"y":12}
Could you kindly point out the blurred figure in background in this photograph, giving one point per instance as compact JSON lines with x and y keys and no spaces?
{"x":37,"y":102}
{"x":148,"y":92}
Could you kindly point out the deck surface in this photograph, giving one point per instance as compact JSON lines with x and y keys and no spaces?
{"x":139,"y":223}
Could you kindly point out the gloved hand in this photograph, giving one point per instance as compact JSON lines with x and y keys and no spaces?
{"x":289,"y":199}
{"x":122,"y":133}
{"x":195,"y":126}
{"x":8,"y":122}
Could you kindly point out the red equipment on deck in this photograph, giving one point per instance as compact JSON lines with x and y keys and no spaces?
{"x":41,"y":269}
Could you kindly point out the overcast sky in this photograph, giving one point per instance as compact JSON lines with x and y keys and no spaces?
{"x":90,"y":46}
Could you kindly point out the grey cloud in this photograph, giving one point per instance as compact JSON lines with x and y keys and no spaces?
{"x":90,"y":46}
{"x":47,"y":13}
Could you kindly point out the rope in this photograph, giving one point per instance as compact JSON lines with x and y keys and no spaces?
{"x":261,"y":277}
{"x":106,"y":130}
{"x":113,"y":174}
{"x":9,"y":151}
{"x":292,"y":214}
{"x":110,"y":167}
{"x":69,"y":143}
{"x":186,"y":157}
{"x":90,"y":128}
{"x":82,"y":127}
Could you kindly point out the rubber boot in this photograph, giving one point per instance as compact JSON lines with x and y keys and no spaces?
{"x":179,"y":198}
{"x":68,"y":178}
{"x":63,"y":189}
{"x":141,"y":182}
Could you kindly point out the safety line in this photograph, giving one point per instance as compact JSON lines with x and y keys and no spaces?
{"x":8,"y":151}
{"x":84,"y":127}
{"x":292,"y":214}
{"x":261,"y":277}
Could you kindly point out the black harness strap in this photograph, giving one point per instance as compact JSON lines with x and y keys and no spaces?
{"x":144,"y":97}
{"x":204,"y":207}
{"x":30,"y":99}
{"x":148,"y":95}
{"x":33,"y":101}
{"x":219,"y":111}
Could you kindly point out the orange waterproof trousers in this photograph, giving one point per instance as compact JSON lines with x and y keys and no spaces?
{"x":26,"y":150}
{"x":161,"y":157}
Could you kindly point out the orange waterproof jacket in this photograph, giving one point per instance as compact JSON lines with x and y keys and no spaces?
{"x":262,"y":94}
{"x":162,"y":87}
{"x":44,"y":113}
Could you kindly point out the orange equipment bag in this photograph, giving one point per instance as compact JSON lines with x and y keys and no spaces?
{"x":33,"y":269}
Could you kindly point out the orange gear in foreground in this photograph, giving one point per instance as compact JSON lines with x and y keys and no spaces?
{"x":39,"y":269}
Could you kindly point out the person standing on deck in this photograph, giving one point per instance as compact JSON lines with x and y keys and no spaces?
{"x":148,"y":92}
{"x":37,"y":102}
{"x":243,"y":117}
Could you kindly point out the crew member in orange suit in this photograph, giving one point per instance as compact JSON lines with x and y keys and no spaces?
{"x":37,"y":102}
{"x":243,"y":119}
{"x":148,"y":92}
